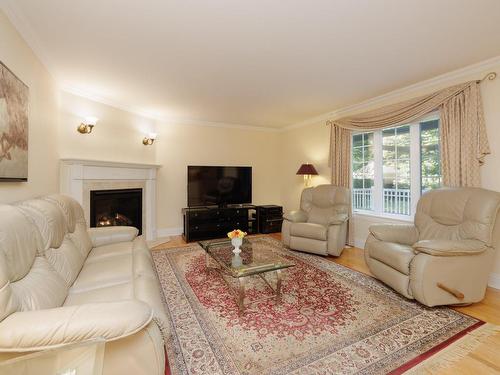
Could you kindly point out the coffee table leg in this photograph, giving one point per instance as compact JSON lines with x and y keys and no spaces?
{"x":278,"y":285}
{"x":241,"y":294}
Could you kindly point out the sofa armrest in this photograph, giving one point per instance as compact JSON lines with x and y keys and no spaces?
{"x":450,"y":248}
{"x":405,"y":234}
{"x":44,"y":329}
{"x":338,"y":219}
{"x":296,"y":216}
{"x":108,"y":235}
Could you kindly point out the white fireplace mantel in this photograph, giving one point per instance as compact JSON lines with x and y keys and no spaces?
{"x":79,"y":176}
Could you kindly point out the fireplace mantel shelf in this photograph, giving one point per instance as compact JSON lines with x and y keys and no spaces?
{"x":102,"y":163}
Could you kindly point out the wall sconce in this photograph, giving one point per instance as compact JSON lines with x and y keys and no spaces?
{"x":87,"y":125}
{"x":149,"y":140}
{"x":307,"y":170}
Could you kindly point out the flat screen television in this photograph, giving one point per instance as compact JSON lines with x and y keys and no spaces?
{"x":212,"y":185}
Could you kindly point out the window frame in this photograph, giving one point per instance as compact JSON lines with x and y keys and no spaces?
{"x":415,"y":170}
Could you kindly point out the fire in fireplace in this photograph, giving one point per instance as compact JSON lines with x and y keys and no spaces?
{"x":116,"y":207}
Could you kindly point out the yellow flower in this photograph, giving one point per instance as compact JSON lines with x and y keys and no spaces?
{"x":236,"y":234}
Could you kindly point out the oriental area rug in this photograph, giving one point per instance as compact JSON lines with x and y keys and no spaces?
{"x":331,"y":320}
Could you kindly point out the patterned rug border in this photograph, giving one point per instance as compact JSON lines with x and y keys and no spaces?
{"x":173,"y":346}
{"x":436,"y":349}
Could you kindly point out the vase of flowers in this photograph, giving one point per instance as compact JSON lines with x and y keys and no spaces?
{"x":236,"y":237}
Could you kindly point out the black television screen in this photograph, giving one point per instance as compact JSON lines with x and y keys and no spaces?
{"x":210,"y":185}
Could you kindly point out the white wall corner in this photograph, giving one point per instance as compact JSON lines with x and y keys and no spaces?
{"x":359,"y":243}
{"x":494,"y":281}
{"x":172,"y":231}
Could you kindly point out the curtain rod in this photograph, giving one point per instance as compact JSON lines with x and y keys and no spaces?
{"x":490,"y":77}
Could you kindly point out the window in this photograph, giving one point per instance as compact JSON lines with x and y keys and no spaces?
{"x":392,"y":167}
{"x":362,"y":170}
{"x":396,"y":169}
{"x":430,"y":160}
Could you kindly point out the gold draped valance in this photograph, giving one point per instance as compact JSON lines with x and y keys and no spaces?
{"x":463,"y":140}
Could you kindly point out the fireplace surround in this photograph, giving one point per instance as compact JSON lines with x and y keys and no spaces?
{"x":78,"y":177}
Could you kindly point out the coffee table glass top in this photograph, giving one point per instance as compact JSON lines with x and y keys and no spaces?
{"x":255,"y":258}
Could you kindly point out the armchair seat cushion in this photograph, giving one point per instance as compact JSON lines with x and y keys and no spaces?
{"x":309,"y":230}
{"x":392,"y":254}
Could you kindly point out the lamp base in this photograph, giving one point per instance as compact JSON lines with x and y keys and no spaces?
{"x":307,"y":180}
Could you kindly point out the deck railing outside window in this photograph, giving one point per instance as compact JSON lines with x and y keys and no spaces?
{"x":396,"y":201}
{"x":362,"y":199}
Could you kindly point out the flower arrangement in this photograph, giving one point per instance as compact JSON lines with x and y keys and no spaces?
{"x":236,"y":234}
{"x":236,"y":237}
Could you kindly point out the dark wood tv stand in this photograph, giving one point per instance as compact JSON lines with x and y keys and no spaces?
{"x":201,"y":223}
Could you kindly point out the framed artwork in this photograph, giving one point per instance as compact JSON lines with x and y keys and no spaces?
{"x":14,"y":100}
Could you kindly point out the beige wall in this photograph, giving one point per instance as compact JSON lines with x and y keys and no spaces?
{"x":116,"y":137}
{"x":183,"y":145}
{"x":310,"y":143}
{"x":43,"y":116}
{"x":303,"y":145}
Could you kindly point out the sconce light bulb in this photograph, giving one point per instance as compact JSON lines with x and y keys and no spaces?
{"x":91,"y":120}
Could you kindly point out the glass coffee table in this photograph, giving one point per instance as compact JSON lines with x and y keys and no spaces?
{"x":255,"y":259}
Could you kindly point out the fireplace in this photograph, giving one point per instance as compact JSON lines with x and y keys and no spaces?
{"x":116,"y":207}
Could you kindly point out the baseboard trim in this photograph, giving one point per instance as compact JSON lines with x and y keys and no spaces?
{"x":494,"y":281}
{"x":172,"y":231}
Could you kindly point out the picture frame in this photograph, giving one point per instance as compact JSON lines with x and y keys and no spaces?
{"x":14,"y":126}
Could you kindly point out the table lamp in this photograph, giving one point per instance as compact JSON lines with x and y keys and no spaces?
{"x":307,"y":170}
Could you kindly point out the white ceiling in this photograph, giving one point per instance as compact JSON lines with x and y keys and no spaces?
{"x":267,"y":63}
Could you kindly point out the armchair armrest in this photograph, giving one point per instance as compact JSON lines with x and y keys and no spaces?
{"x":338,"y":219}
{"x":405,"y":234}
{"x":450,"y":248}
{"x":43,"y":329}
{"x":296,"y":216}
{"x":108,"y":235}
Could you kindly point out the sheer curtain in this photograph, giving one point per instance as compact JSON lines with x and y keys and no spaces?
{"x":463,"y":138}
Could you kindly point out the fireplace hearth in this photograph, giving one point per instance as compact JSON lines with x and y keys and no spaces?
{"x":116,"y":207}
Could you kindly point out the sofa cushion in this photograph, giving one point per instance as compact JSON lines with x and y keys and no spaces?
{"x":67,"y":260}
{"x":105,"y":271}
{"x":49,"y":220}
{"x":101,"y":293}
{"x":309,"y":230}
{"x":392,"y":254}
{"x":57,"y":245}
{"x":119,"y":271}
{"x":75,"y":220}
{"x":41,"y":288}
{"x":27,"y":281}
{"x":18,"y":243}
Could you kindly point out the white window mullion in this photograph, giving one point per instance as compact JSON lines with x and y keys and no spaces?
{"x":415,"y":166}
{"x":378,"y":183}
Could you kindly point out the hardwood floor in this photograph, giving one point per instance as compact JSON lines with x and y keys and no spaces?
{"x":485,"y":359}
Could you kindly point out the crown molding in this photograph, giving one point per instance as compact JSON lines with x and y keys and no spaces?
{"x":13,"y":12}
{"x":16,"y":17}
{"x":431,"y":83}
{"x":163,"y":119}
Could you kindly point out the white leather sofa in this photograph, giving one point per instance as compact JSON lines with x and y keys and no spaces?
{"x":61,"y":283}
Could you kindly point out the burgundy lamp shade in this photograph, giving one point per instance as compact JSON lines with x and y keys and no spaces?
{"x":307,"y":169}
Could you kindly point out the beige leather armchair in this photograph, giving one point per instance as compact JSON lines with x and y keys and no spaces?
{"x":61,"y":283}
{"x":444,"y":258}
{"x":320,"y":226}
